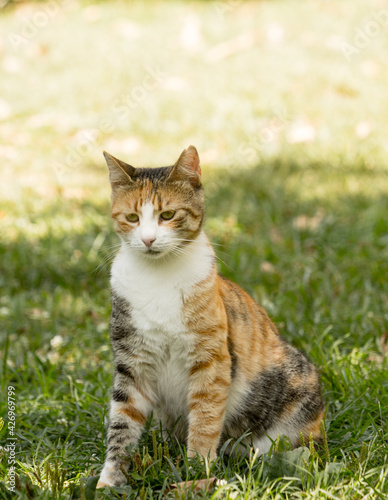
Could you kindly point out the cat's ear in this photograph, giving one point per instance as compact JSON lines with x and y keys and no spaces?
{"x":187,"y":168}
{"x":120,"y":173}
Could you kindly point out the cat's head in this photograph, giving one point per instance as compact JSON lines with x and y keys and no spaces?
{"x":157,"y":211}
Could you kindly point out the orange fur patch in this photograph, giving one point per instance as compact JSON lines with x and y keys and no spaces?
{"x":133,"y":413}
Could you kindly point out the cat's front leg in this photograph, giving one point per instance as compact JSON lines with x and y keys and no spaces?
{"x":209,"y":385}
{"x":128,"y":413}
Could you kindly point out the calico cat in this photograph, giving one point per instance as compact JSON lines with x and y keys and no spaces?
{"x":188,"y":344}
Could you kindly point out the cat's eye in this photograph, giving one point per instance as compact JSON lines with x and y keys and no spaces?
{"x":167,"y":215}
{"x":132,"y":217}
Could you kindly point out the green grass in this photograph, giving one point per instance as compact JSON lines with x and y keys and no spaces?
{"x":302,"y":226}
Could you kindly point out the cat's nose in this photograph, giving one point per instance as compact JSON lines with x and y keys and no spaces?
{"x":148,"y":241}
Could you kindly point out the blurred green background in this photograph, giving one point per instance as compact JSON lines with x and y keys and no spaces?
{"x":286,"y":102}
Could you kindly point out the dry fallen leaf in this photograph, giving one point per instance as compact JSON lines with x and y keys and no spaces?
{"x":384,"y":342}
{"x":195,"y":485}
{"x":303,"y":222}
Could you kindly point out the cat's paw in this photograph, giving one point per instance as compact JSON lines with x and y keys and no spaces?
{"x":111,"y":477}
{"x":101,"y":484}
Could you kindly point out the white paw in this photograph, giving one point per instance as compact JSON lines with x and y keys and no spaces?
{"x":110,"y":477}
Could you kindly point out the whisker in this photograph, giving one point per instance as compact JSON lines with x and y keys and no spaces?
{"x":101,"y":267}
{"x":210,"y":241}
{"x":224,"y":253}
{"x":106,"y":259}
{"x":219,"y":244}
{"x":225,"y":264}
{"x":110,"y":247}
{"x":179,"y":251}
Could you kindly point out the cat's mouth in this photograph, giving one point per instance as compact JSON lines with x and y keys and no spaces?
{"x":151,"y":251}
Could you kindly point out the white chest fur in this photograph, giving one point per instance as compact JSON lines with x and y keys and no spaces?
{"x":156,"y":289}
{"x":156,"y":292}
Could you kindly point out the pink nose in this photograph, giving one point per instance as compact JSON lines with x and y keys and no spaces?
{"x":148,"y":241}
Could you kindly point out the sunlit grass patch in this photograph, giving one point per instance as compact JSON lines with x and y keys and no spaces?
{"x":291,"y":135}
{"x":320,"y":276}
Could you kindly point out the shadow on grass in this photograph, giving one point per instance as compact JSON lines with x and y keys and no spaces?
{"x":290,"y":234}
{"x":296,"y":237}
